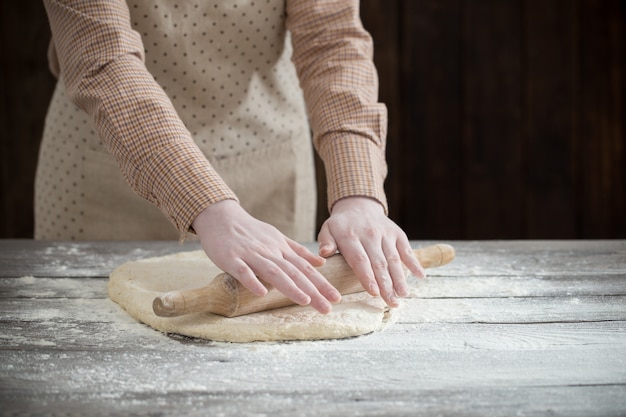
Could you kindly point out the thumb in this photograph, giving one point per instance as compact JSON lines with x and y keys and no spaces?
{"x":327,"y":243}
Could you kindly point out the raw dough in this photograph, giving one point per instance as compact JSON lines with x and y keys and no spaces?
{"x":135,"y":284}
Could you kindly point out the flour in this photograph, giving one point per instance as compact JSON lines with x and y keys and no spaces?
{"x":28,"y":280}
{"x":17,"y":340}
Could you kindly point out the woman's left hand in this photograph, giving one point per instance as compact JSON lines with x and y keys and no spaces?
{"x":372,"y":244}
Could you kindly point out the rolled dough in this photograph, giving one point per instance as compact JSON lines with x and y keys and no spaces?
{"x":135,"y":284}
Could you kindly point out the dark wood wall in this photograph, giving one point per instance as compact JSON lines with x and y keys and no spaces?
{"x":25,"y":89}
{"x":507,"y":117}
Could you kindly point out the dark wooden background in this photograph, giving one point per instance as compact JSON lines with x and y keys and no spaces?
{"x":507,"y":117}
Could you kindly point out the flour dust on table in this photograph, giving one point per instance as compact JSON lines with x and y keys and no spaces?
{"x":135,"y":284}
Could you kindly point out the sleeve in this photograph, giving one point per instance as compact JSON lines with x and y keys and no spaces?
{"x":101,"y":63}
{"x":333,"y":55}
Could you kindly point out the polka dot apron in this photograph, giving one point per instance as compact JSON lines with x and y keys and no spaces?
{"x":226,"y":67}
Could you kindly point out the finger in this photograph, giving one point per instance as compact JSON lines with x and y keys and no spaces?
{"x":303,"y":252}
{"x":396,"y":271}
{"x":273,"y":274}
{"x":323,"y":287}
{"x":356,"y":256}
{"x":327,"y":244}
{"x":380,"y":266}
{"x":242,"y":273}
{"x":408,"y":258}
{"x":316,"y":299}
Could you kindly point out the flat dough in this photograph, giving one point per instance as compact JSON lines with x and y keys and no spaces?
{"x":135,"y":284}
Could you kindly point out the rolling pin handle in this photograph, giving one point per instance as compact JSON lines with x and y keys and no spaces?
{"x":165,"y":305}
{"x":435,"y":255}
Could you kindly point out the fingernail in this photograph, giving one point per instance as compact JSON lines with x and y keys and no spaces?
{"x":393,"y":300}
{"x":373,"y":289}
{"x":326,"y":307}
{"x":304,"y":301}
{"x":260,"y":291}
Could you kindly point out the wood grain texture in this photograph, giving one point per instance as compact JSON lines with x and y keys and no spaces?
{"x":430,"y":162}
{"x":492,"y":34}
{"x":26,"y":86}
{"x":603,"y":100}
{"x":509,"y":328}
{"x":551,"y":100}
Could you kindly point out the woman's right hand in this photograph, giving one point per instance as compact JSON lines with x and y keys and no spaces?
{"x":249,"y":249}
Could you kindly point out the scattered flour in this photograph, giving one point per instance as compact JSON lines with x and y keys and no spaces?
{"x":27,"y":280}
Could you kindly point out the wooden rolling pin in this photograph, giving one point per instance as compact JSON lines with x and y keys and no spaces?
{"x":228,"y":297}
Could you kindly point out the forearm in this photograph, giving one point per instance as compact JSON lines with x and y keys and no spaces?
{"x":102,"y":68}
{"x":333,"y":57}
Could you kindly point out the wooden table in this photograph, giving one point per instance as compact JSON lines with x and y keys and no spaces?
{"x":514,"y":328}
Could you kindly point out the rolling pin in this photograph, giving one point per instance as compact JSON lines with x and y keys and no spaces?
{"x":226,"y":296}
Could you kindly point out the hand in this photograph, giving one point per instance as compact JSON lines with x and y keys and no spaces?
{"x":372,"y":244}
{"x":248,"y":248}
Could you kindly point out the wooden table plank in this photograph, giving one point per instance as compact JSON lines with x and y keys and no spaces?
{"x":444,"y":310}
{"x":431,"y":287}
{"x":517,"y":310}
{"x":279,"y":374}
{"x":127,"y":335}
{"x":571,"y":401}
{"x":537,"y":258}
{"x":474,"y":258}
{"x":510,"y":328}
{"x":293,"y":369}
{"x":77,"y":259}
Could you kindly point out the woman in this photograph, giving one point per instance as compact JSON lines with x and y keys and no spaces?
{"x":205,"y":108}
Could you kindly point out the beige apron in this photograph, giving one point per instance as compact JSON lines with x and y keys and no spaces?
{"x":260,"y":144}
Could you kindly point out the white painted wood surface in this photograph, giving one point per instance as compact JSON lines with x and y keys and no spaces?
{"x":521,"y":328}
